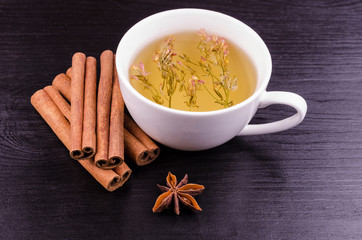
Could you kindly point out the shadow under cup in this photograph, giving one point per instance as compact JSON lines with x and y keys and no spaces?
{"x":182,"y":129}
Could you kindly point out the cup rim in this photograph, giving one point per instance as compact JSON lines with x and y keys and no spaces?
{"x":258,"y":91}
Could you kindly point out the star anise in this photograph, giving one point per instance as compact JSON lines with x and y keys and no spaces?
{"x":178,"y":192}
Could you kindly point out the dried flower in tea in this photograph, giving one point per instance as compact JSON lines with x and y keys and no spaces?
{"x":198,"y":69}
{"x":141,"y":75}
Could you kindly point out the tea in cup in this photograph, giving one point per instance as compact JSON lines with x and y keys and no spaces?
{"x":193,"y":79}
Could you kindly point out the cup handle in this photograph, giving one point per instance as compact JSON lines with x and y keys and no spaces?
{"x":277,"y":97}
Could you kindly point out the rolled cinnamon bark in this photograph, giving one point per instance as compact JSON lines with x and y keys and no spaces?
{"x":109,"y":179}
{"x":135,"y":150}
{"x":141,"y":136}
{"x":124,"y":171}
{"x":58,"y":99}
{"x":69,"y":72}
{"x":52,"y":115}
{"x":62,"y":83}
{"x":103,"y":111}
{"x":116,"y":125}
{"x":90,"y":111}
{"x":77,"y":101}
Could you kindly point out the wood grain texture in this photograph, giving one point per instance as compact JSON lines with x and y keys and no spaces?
{"x":304,"y":183}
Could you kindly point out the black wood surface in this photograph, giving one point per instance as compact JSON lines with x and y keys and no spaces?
{"x":304,"y":183}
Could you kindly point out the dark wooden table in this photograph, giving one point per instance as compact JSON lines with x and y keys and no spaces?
{"x":304,"y":183}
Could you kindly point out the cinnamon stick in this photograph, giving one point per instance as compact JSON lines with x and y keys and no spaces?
{"x":62,"y":83}
{"x":132,"y":147}
{"x":123,"y":171}
{"x":57,"y":98}
{"x":52,"y":115}
{"x":77,"y":101}
{"x":109,"y":179}
{"x":69,"y":72}
{"x":103,"y":111}
{"x":116,"y":125}
{"x":90,"y":112}
{"x":141,"y":136}
{"x":135,"y":150}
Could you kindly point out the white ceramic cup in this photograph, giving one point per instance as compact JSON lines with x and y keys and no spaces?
{"x":193,"y":131}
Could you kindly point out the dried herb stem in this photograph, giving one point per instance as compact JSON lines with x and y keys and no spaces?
{"x":214,"y":53}
{"x":141,"y":75}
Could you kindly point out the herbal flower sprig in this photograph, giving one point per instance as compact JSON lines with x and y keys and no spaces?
{"x":141,"y":75}
{"x":214,"y":52}
{"x":171,"y":74}
{"x":194,"y":74}
{"x":214,"y":58}
{"x":193,"y":86}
